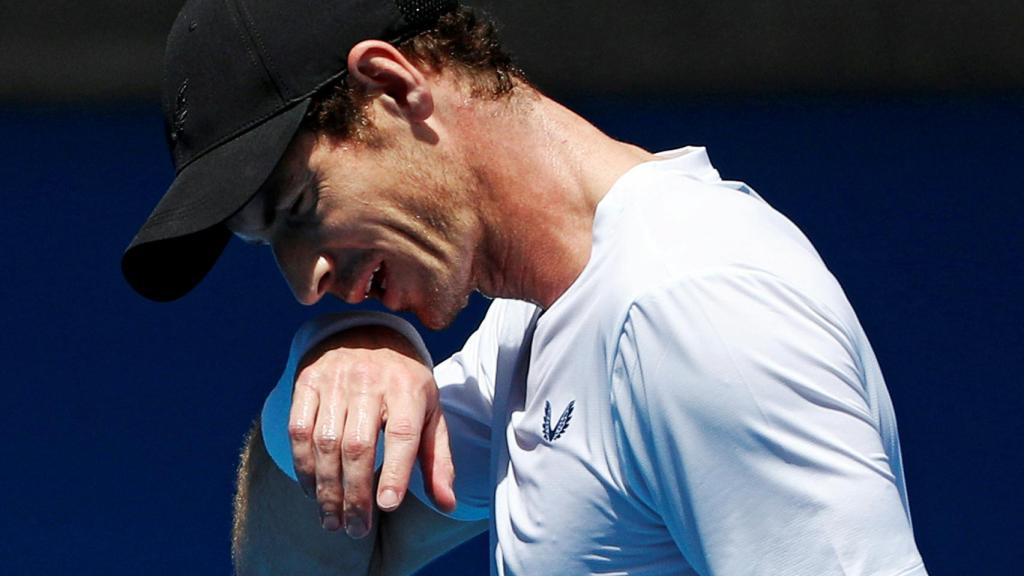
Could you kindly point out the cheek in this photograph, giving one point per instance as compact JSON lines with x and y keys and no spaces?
{"x":337,"y":222}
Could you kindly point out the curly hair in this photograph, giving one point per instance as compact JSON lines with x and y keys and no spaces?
{"x":462,"y":42}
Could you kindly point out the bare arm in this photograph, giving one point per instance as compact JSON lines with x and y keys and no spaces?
{"x":351,"y":386}
{"x":276,"y":529}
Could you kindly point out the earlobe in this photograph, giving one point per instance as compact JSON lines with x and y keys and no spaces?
{"x":382,"y":70}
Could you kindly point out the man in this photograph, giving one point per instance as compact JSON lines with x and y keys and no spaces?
{"x":670,"y":380}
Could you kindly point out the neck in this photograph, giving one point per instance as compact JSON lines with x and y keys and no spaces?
{"x":543,"y":170}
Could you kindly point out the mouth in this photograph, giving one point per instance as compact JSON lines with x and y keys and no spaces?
{"x":374,"y":286}
{"x":364,"y":286}
{"x":377,"y":283}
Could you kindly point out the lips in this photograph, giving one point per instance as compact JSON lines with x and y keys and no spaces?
{"x":372,"y":283}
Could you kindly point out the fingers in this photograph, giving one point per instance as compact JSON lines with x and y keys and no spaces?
{"x":358,"y":451}
{"x":436,"y":462}
{"x":406,"y":414}
{"x":348,"y":387}
{"x":305,"y":401}
{"x":327,"y":450}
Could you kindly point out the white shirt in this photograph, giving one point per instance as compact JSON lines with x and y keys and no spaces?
{"x":701,"y":400}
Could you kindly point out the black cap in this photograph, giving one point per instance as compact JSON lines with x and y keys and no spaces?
{"x":238,"y":77}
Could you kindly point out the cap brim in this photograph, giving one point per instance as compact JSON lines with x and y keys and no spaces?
{"x":185,"y":234}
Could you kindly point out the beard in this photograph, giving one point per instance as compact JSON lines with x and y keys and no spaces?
{"x":443,"y":302}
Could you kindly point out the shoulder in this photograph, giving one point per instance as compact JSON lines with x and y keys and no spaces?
{"x":728,"y":353}
{"x":733,"y":349}
{"x":721,"y":323}
{"x":661,"y":223}
{"x":731,"y":312}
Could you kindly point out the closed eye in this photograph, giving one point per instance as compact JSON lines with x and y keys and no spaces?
{"x":304,"y":203}
{"x":297,"y":207}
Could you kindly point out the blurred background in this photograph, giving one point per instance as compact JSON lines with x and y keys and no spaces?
{"x":887,"y":131}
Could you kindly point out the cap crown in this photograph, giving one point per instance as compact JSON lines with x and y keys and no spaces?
{"x":231,"y":64}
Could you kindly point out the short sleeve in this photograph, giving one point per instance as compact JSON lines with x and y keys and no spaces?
{"x":743,"y":420}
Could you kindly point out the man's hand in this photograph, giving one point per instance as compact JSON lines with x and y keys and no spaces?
{"x":348,"y":387}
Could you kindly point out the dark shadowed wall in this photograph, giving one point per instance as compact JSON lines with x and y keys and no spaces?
{"x":101,"y":49}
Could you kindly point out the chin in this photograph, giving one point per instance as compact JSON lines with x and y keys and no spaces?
{"x":435,"y":319}
{"x":440,"y":315}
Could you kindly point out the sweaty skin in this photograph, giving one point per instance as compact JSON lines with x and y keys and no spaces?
{"x":376,"y":376}
{"x":453,"y":194}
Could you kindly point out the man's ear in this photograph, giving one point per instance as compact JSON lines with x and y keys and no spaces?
{"x":381,"y":69}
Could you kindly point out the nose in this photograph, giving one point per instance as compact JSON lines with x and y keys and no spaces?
{"x":309,"y":276}
{"x":320,"y":283}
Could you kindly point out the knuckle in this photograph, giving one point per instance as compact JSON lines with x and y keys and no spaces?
{"x":417,"y":390}
{"x":327,"y":493}
{"x":327,"y":443}
{"x":328,"y":486}
{"x":410,"y":382}
{"x":360,"y":368}
{"x":307,"y":381}
{"x":390,"y":477}
{"x":356,"y":448}
{"x":401,"y":430}
{"x":300,"y":432}
{"x":305,"y":464}
{"x":310,"y":374}
{"x":445,"y":461}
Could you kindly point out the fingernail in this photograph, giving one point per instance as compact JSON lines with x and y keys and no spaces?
{"x":329,"y":522}
{"x":388,"y":499}
{"x":355,"y":527}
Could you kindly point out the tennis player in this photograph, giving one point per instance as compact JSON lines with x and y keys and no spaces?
{"x":669,"y":380}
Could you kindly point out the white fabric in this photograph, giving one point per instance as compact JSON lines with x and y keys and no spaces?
{"x":728,"y":414}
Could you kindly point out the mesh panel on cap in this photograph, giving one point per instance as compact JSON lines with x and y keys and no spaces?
{"x":423,"y":13}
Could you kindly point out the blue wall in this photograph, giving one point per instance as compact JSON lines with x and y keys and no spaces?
{"x":123,"y":418}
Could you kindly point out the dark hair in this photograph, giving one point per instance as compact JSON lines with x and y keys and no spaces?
{"x":463,"y":42}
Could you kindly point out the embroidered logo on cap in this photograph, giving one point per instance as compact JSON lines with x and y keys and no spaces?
{"x":563,"y":422}
{"x":180,"y":112}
